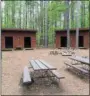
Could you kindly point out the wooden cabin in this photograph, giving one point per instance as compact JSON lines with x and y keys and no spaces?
{"x":18,"y":38}
{"x":61,"y":38}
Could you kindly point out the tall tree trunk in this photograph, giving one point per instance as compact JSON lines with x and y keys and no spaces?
{"x":30,"y":16}
{"x":6,"y":14}
{"x":20,"y":15}
{"x":60,"y":21}
{"x":26,"y":17}
{"x":46,"y":21}
{"x":83,"y":14}
{"x":0,"y":37}
{"x":67,"y":24}
{"x":41,"y":22}
{"x":65,"y":20}
{"x":13,"y":13}
{"x":44,"y":24}
{"x":33,"y":15}
{"x":77,"y":26}
{"x":72,"y":14}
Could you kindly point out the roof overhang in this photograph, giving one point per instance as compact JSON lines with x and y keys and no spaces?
{"x":17,"y":30}
{"x":73,"y":30}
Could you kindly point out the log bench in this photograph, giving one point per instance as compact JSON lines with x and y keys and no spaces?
{"x":26,"y":76}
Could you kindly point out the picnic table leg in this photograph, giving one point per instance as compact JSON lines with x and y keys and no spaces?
{"x":52,"y":78}
{"x":48,"y":76}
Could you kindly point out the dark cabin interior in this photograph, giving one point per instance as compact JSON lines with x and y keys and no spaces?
{"x":27,"y":42}
{"x":81,"y":41}
{"x":8,"y":42}
{"x":63,"y":41}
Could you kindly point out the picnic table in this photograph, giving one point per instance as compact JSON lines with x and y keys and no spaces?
{"x":81,"y":59}
{"x":67,"y":52}
{"x":41,"y":69}
{"x":54,"y":52}
{"x":80,"y":64}
{"x":64,"y":53}
{"x":40,"y":65}
{"x":44,"y":70}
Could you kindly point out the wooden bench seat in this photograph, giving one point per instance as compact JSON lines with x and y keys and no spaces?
{"x":66,"y":62}
{"x":26,"y":75}
{"x":54,"y":72}
{"x":86,"y":68}
{"x":18,"y":48}
{"x":73,"y":63}
{"x":77,"y":68}
{"x":66,"y":54}
{"x":57,"y":74}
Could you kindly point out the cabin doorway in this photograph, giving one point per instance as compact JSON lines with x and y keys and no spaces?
{"x":8,"y":42}
{"x":27,"y":42}
{"x":63,"y":41}
{"x":81,"y":41}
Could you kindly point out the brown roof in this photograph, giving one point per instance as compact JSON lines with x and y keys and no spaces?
{"x":17,"y":30}
{"x":74,"y":30}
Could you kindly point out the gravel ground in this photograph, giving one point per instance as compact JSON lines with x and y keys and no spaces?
{"x":13,"y":63}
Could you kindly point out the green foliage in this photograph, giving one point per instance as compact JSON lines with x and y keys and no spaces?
{"x":32,"y":15}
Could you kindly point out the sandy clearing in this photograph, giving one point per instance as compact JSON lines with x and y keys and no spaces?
{"x":13,"y":63}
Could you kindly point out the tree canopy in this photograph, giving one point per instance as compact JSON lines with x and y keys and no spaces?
{"x":45,"y":16}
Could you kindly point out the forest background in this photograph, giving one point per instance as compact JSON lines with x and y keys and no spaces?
{"x":45,"y":17}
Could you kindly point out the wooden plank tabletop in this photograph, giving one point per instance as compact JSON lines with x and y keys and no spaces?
{"x":34,"y":65}
{"x":48,"y":65}
{"x":41,"y":65}
{"x":80,"y":59}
